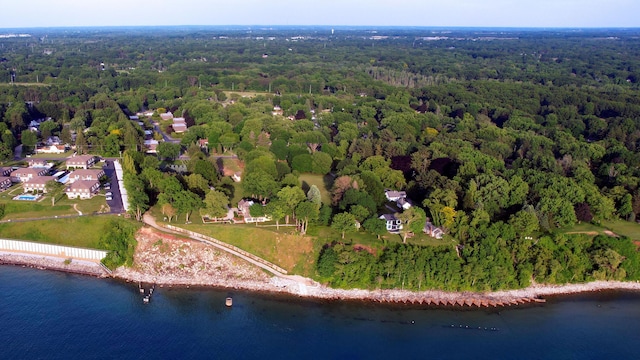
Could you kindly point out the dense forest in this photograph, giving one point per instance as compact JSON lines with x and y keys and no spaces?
{"x":501,"y":138}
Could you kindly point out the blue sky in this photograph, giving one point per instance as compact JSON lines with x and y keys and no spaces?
{"x":485,"y":13}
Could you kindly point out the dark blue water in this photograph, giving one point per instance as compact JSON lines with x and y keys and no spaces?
{"x":52,"y":315}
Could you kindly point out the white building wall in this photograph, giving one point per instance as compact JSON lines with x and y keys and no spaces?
{"x":50,"y":249}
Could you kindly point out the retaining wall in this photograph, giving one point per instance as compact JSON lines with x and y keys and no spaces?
{"x":54,"y":250}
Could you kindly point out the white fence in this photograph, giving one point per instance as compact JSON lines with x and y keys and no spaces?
{"x":49,"y":249}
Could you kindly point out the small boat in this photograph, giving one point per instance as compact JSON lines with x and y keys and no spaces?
{"x":228,"y":302}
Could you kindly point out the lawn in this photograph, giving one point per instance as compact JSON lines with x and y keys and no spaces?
{"x":80,"y":232}
{"x":323,"y":183}
{"x":619,"y":227}
{"x":53,"y":156}
{"x":285,"y":248}
{"x":626,"y":228}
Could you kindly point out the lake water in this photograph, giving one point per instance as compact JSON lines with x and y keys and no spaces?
{"x":51,"y":315}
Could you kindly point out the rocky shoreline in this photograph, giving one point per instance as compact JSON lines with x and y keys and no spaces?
{"x":166,"y":260}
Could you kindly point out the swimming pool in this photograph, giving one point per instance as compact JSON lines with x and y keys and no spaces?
{"x":27,"y":197}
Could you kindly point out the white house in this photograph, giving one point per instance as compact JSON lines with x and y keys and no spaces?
{"x":51,"y":149}
{"x":26,"y":174}
{"x":38,"y":183}
{"x":39,"y":163}
{"x":83,"y":189}
{"x":86,"y":174}
{"x":393,"y":224}
{"x":399,"y":197}
{"x":243,"y":209}
{"x":433,"y":230}
{"x":393,"y":195}
{"x":81,"y":161}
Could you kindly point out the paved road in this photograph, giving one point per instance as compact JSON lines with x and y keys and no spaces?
{"x":166,"y":137}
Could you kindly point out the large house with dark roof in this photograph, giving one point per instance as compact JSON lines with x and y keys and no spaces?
{"x":392,"y":223}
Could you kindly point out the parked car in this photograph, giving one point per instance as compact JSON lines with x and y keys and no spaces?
{"x":109,"y":194}
{"x":109,"y":198}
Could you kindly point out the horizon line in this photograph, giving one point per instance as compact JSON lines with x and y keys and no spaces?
{"x":265,"y":27}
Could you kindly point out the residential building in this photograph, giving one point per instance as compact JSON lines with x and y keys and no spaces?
{"x":166,"y":116}
{"x":39,"y":163}
{"x":83,"y":189}
{"x":433,"y":230}
{"x":404,"y":203}
{"x":26,"y":174}
{"x":51,"y":149}
{"x":393,"y":195}
{"x":5,"y":171}
{"x":243,"y":209}
{"x":5,"y":182}
{"x":53,"y":140}
{"x":399,"y":197}
{"x":393,"y":224}
{"x":151,"y":146}
{"x":179,"y":125}
{"x":86,"y":174}
{"x":81,"y":161}
{"x":37,"y":184}
{"x":277,"y":110}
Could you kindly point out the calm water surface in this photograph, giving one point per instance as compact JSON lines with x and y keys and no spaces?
{"x":50,"y":315}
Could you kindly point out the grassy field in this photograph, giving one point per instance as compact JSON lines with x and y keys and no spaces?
{"x":626,"y":228}
{"x":285,"y":247}
{"x":323,"y":183}
{"x":53,"y":156}
{"x":16,"y":209}
{"x":80,"y":232}
{"x":619,"y":227}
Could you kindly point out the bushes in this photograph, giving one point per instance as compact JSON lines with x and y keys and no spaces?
{"x":118,"y":237}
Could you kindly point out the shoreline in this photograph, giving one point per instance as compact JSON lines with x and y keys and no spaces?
{"x":304,"y":288}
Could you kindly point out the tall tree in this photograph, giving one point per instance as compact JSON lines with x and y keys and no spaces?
{"x":344,"y":222}
{"x":413,"y":220}
{"x":137,"y":196}
{"x":306,"y":211}
{"x":54,"y":189}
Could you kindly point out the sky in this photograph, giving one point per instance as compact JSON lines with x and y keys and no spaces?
{"x":428,"y":13}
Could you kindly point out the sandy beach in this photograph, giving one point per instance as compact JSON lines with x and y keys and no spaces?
{"x":166,"y":260}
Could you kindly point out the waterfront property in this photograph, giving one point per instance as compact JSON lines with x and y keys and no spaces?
{"x":392,"y":223}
